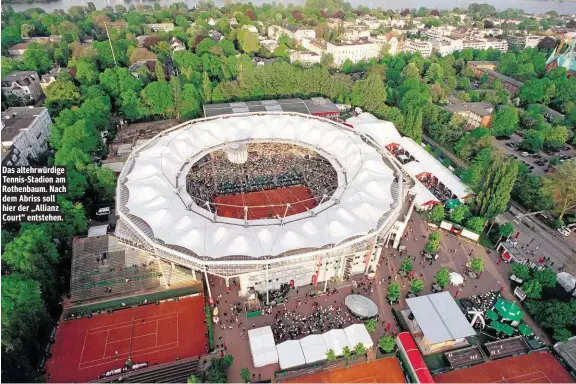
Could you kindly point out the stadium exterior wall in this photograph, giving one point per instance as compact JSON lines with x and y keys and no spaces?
{"x":352,"y":256}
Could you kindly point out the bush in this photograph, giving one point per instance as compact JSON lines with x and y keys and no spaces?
{"x":442,"y":277}
{"x":477,"y":264}
{"x":436,"y":214}
{"x":210,"y":329}
{"x":558,"y":223}
{"x":521,"y":271}
{"x":417,"y":286}
{"x":386,"y":343}
{"x":393,"y":292}
{"x":433,"y":244}
{"x":406,"y":265}
{"x":371,"y":325}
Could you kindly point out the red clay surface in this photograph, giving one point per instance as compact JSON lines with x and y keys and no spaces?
{"x":380,"y":371}
{"x":265,"y":204}
{"x":86,"y":348}
{"x":538,"y":367}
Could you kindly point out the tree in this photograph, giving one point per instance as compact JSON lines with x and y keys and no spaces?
{"x":406,"y":265}
{"x":36,"y":59}
{"x":442,"y":277}
{"x":563,"y":183}
{"x":434,"y":74}
{"x":475,"y":224}
{"x":131,"y":106}
{"x":218,"y":372}
{"x":371,"y":325}
{"x":546,"y":277}
{"x":411,"y":71}
{"x":386,"y":343}
{"x":506,"y":230}
{"x":190,"y":106}
{"x":393,"y":293}
{"x":477,"y":264}
{"x":245,"y":374}
{"x":537,"y":91}
{"x":417,"y":286}
{"x":32,"y":254}
{"x":532,"y":289}
{"x":556,"y":136}
{"x":158,"y":97}
{"x":347,"y":353}
{"x":360,"y":349}
{"x":86,"y":72}
{"x":433,"y":244}
{"x":458,"y":214}
{"x":494,"y":186}
{"x":436,"y":215}
{"x":533,"y":141}
{"x":330,"y":355}
{"x":118,"y":80}
{"x":23,"y":314}
{"x":504,"y":122}
{"x":562,"y":335}
{"x":193,"y":379}
{"x":248,"y":41}
{"x":327,"y":60}
{"x":521,"y":271}
{"x":61,"y":94}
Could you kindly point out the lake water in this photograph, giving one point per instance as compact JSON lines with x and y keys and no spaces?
{"x":531,"y":6}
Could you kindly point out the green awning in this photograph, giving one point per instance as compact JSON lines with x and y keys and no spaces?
{"x":491,"y":315}
{"x":509,"y":310}
{"x":451,"y":204}
{"x":507,"y":329}
{"x":496,"y":325}
{"x":525,"y":330}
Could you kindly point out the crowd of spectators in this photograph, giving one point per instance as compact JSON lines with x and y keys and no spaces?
{"x":269,"y":166}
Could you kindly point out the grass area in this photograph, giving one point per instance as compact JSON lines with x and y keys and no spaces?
{"x":210,"y":329}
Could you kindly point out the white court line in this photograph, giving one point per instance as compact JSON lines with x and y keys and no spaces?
{"x":514,"y":378}
{"x":83,"y":346}
{"x":156,"y":332}
{"x":115,"y":325}
{"x":117,"y":341}
{"x":106,"y":344}
{"x":133,"y":354}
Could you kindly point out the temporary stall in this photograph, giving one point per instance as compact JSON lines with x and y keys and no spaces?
{"x":290,"y":354}
{"x":313,"y":348}
{"x":262,"y":346}
{"x":336,"y":340}
{"x":357,"y":333}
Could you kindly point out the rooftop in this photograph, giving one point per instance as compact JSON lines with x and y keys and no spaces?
{"x":19,"y":46}
{"x":311,"y":106}
{"x":19,"y":75}
{"x":568,"y":352}
{"x":16,"y":119}
{"x":502,"y":77}
{"x":477,"y":108}
{"x":440,"y":318}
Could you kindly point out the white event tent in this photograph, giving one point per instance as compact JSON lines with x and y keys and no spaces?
{"x":314,"y":348}
{"x":336,"y":340}
{"x":262,"y":346}
{"x":357,"y":333}
{"x":290,"y":354}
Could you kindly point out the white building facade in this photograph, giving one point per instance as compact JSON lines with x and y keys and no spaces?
{"x":25,"y":133}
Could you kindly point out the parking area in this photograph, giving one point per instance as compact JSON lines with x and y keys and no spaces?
{"x":539,"y":162}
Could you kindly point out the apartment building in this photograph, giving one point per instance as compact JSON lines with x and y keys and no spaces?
{"x":475,"y":114}
{"x":422,"y":46}
{"x":355,"y":33}
{"x":24,"y":85}
{"x":387,"y":40}
{"x":275,"y":32}
{"x":370,"y":21}
{"x":342,"y":51}
{"x":501,"y":45}
{"x":306,"y":58}
{"x":25,"y":132}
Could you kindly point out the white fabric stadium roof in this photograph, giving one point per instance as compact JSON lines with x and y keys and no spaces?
{"x":384,"y":133}
{"x":357,"y":333}
{"x":156,"y":193}
{"x":336,"y":340}
{"x":380,"y":131}
{"x":262,"y":346}
{"x":314,"y":348}
{"x":290,"y":354}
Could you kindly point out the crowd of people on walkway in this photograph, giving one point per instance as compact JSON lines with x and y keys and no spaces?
{"x":291,"y":325}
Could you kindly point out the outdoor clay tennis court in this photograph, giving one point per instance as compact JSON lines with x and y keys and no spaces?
{"x":538,"y":367}
{"x":261,"y":202}
{"x":149,"y":334}
{"x":380,"y":371}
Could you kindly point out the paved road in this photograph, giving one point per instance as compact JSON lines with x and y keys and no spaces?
{"x":543,"y":240}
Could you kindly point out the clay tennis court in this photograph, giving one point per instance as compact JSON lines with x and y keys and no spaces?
{"x":265,"y":204}
{"x":380,"y":371}
{"x":87,"y":348}
{"x":538,"y":367}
